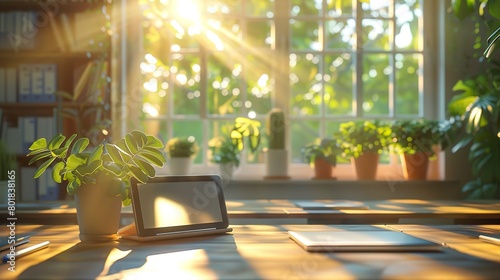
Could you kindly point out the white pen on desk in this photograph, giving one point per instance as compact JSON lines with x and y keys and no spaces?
{"x":25,"y":251}
{"x":490,"y":239}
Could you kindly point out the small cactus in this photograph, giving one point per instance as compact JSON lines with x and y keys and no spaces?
{"x":275,"y":128}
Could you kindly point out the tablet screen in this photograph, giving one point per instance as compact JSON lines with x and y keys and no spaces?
{"x":178,"y":203}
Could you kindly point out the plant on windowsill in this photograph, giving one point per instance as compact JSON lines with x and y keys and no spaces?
{"x":98,"y":177}
{"x":416,"y":142}
{"x":363,"y":142}
{"x":245,"y":128}
{"x":181,"y":150}
{"x":8,"y":165}
{"x":225,"y":153}
{"x":276,"y":156}
{"x":322,"y":156}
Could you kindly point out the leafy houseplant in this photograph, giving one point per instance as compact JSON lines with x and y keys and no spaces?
{"x":363,"y":142}
{"x":182,"y":147}
{"x":322,"y":156}
{"x":245,"y":128}
{"x":224,"y":151}
{"x":415,"y":141}
{"x":416,"y":136}
{"x":180,"y":151}
{"x":99,"y":177}
{"x":326,"y":149}
{"x":359,"y":137}
{"x":477,"y":105}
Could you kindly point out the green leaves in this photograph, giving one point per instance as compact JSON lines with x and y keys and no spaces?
{"x":136,"y":154}
{"x":133,"y":156}
{"x":246,"y":128}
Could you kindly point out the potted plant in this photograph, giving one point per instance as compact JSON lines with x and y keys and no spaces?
{"x":415,"y":141}
{"x":363,"y":142}
{"x":276,"y":156}
{"x":477,"y":106}
{"x":245,"y":128}
{"x":181,"y":150}
{"x":98,"y":177}
{"x":8,"y":164}
{"x":225,"y":153}
{"x":322,"y":156}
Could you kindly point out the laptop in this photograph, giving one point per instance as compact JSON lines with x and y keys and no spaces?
{"x":361,"y":241}
{"x":169,"y":207}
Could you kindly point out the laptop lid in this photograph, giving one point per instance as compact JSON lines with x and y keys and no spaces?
{"x":178,"y":204}
{"x":363,"y":241}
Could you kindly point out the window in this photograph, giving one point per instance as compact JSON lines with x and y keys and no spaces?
{"x":323,"y":61}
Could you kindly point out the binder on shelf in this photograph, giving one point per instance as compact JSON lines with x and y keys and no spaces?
{"x":3,"y":90}
{"x":25,"y":83}
{"x":12,"y":138}
{"x":28,"y":128}
{"x":11,"y":85}
{"x":36,"y":83}
{"x":49,"y":82}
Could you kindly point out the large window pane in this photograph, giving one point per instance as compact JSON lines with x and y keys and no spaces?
{"x":260,"y":85}
{"x":303,"y":133}
{"x":305,"y":8}
{"x":376,"y":34}
{"x":305,"y":84}
{"x":408,"y":25}
{"x":407,"y":84}
{"x":223,"y":85}
{"x":340,"y":34}
{"x":186,"y":80}
{"x":305,"y":35}
{"x":339,"y":82}
{"x":376,"y":71}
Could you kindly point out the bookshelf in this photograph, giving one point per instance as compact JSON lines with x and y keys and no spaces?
{"x":54,"y":78}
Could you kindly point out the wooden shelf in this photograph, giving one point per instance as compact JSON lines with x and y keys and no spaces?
{"x":42,"y":109}
{"x":69,"y":6}
{"x":33,"y":54}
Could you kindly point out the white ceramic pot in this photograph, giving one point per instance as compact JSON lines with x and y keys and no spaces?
{"x":179,"y":165}
{"x":276,"y":163}
{"x":226,"y":171}
{"x":98,"y":212}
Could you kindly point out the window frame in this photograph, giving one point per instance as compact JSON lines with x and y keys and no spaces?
{"x":429,"y":101}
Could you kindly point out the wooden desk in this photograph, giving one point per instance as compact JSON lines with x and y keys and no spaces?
{"x":380,"y":212}
{"x":256,"y":252}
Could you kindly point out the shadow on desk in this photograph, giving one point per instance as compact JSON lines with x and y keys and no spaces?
{"x":187,"y":258}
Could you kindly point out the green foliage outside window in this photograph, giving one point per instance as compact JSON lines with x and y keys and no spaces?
{"x":221,"y":62}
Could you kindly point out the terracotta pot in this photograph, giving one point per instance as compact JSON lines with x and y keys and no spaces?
{"x":98,"y":211}
{"x":415,"y":166}
{"x":322,"y":169}
{"x":365,"y":166}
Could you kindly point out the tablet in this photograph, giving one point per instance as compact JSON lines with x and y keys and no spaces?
{"x":178,"y":206}
{"x":361,"y":241}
